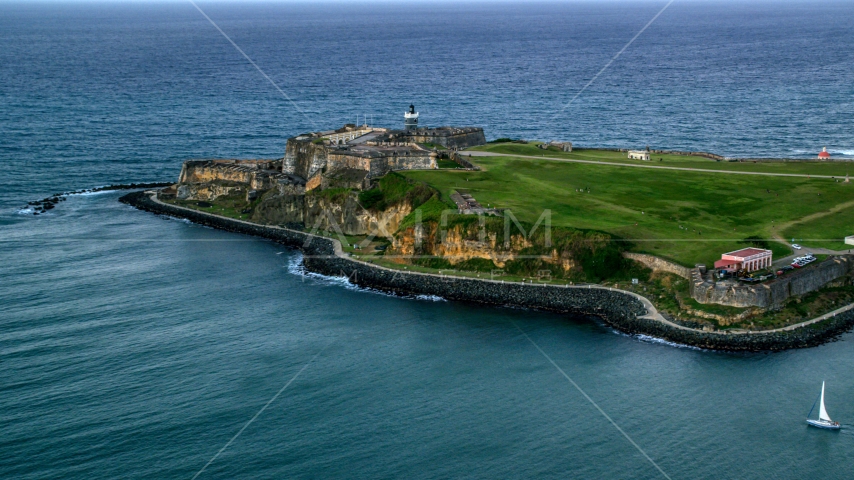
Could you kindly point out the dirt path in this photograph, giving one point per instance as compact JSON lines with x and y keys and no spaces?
{"x":776,"y":231}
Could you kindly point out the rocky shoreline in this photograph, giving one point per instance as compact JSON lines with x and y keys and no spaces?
{"x":618,"y":309}
{"x":48,"y":203}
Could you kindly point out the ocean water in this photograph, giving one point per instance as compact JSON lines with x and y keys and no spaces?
{"x":138,"y":346}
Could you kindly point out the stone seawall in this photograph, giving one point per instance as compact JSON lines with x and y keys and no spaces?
{"x":619,"y":309}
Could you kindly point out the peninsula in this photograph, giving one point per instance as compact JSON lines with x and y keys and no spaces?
{"x":629,"y":236}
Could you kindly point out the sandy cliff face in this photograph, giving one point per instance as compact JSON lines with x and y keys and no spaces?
{"x":461,"y":243}
{"x":332,"y":213}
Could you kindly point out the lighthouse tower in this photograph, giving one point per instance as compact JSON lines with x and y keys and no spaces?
{"x":410,"y":118}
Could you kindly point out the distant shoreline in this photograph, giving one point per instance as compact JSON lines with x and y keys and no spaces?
{"x":625,"y":311}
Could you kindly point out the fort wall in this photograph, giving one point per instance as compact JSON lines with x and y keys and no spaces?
{"x":304,"y":158}
{"x":775,"y":293}
{"x":659,"y":264}
{"x":460,"y":138}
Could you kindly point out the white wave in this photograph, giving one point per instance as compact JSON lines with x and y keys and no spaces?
{"x":296,"y":266}
{"x":26,"y":211}
{"x":87,"y":193}
{"x":661,"y":341}
{"x":430,"y":298}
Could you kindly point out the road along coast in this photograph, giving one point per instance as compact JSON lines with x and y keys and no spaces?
{"x":625,"y":311}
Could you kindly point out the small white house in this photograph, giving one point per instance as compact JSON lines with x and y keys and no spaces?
{"x":849,"y":240}
{"x":639,"y":155}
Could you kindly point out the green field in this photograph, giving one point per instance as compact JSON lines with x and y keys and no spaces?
{"x":834,"y":227}
{"x":839,"y":169}
{"x":647,"y":207}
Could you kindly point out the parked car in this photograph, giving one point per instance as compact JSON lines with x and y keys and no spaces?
{"x":796,"y":246}
{"x":787,"y":268}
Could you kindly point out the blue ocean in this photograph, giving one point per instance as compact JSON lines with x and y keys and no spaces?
{"x":137,"y":346}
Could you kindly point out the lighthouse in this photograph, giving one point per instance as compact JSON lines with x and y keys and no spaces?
{"x":410,"y":118}
{"x":823,"y":154}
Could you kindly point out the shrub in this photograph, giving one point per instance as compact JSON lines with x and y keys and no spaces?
{"x":372,"y":198}
{"x":392,"y":189}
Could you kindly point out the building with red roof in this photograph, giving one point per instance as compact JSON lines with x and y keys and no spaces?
{"x":747,"y":259}
{"x":823,"y":155}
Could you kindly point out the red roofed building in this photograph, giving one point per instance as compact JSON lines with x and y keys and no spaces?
{"x":823,"y":155}
{"x":747,"y":259}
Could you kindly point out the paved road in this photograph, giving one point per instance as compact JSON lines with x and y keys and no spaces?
{"x":640,"y":165}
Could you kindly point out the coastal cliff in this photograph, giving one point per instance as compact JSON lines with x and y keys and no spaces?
{"x":620,"y":309}
{"x":338,"y":211}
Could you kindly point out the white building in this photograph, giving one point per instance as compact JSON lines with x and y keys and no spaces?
{"x":639,"y":155}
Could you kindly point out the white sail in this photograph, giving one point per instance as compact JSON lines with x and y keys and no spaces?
{"x":822,"y":413}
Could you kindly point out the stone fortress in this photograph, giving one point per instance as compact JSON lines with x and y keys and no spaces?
{"x":353,"y":155}
{"x":349,"y":157}
{"x":290,"y":190}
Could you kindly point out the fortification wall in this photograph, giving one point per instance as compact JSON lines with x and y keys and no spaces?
{"x":775,"y":293}
{"x":470,"y":137}
{"x":659,"y":264}
{"x":304,"y":158}
{"x":203,"y":171}
{"x":348,"y":161}
{"x":462,"y":161}
{"x":210,"y":179}
{"x":381,"y":166}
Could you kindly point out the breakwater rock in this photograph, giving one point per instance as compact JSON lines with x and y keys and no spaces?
{"x":48,"y":203}
{"x":619,"y":309}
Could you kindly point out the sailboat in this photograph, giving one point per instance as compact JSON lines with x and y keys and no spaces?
{"x":824,"y":420}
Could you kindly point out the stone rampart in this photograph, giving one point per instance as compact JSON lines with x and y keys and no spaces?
{"x":462,"y":161}
{"x":775,"y":293}
{"x":210,"y":179}
{"x":659,"y":264}
{"x":619,"y":309}
{"x":450,"y":137}
{"x":304,"y":158}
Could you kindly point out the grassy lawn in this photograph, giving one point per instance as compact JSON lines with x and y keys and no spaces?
{"x":231,"y":206}
{"x":834,"y":227}
{"x":689,"y":217}
{"x":807,"y":168}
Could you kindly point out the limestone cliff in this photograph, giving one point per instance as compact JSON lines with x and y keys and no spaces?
{"x":474,"y":243}
{"x":330,"y":212}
